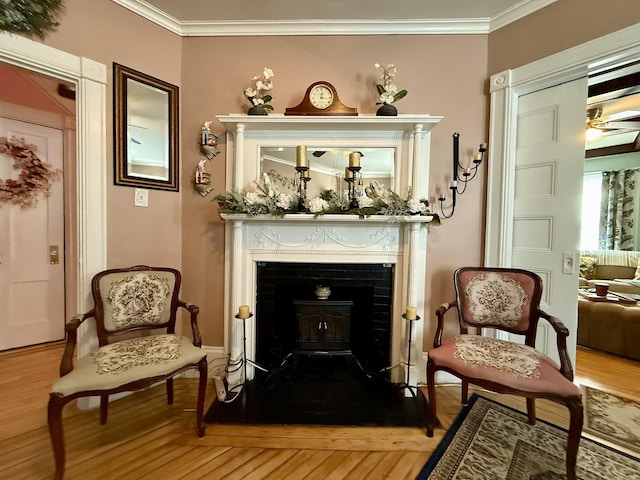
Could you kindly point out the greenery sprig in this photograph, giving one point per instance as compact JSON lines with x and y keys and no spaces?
{"x":33,"y":18}
{"x":275,"y":195}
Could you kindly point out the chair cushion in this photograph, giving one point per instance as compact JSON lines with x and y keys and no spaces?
{"x":507,"y":363}
{"x":119,"y":363}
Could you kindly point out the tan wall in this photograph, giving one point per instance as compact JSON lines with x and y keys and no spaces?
{"x":445,"y":75}
{"x":105,"y":32}
{"x":561,"y":25}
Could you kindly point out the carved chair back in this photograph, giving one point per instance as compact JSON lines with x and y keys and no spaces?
{"x":135,"y":299}
{"x":505,"y":299}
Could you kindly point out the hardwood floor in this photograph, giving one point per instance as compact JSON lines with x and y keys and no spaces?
{"x":147,"y":439}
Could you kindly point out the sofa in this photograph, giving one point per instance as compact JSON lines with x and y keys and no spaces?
{"x":619,"y":269}
{"x":606,"y":326}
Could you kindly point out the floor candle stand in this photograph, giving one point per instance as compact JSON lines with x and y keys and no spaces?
{"x":406,"y":385}
{"x":237,"y":389}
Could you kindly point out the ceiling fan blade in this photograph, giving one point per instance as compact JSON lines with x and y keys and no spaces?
{"x":318,"y":153}
{"x":619,"y":125}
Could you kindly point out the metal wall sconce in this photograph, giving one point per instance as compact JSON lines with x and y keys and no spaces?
{"x":459,"y":181}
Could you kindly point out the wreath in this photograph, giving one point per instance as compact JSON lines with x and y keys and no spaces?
{"x":35,"y":178}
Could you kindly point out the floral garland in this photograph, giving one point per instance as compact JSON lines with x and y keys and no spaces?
{"x":34,"y":179}
{"x":267,"y":199}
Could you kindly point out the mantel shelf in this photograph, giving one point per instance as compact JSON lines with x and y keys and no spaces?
{"x":308,"y":217}
{"x":360,"y":123}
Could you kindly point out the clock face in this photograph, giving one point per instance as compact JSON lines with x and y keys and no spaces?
{"x":321,"y":96}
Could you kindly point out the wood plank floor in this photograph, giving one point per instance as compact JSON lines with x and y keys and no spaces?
{"x":147,"y":439}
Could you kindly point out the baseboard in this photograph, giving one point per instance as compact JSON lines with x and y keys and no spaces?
{"x":216,"y":359}
{"x":442,"y":378}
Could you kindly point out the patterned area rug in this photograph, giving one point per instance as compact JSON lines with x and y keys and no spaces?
{"x":489,"y":441}
{"x":612,"y":419}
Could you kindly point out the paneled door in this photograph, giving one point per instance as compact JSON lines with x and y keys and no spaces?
{"x":549,"y":166}
{"x":32,"y":283}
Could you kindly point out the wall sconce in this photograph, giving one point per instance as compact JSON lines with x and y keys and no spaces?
{"x":459,"y":183}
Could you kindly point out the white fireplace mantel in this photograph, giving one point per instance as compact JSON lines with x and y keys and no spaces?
{"x":400,"y":241}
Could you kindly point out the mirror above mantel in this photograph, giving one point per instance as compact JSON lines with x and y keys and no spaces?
{"x":327,"y":165}
{"x":402,"y":141}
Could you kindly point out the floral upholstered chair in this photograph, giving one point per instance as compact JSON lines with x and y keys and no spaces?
{"x":508,"y":300}
{"x":141,"y":301}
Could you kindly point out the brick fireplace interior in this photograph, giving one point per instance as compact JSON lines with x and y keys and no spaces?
{"x":368,"y":286}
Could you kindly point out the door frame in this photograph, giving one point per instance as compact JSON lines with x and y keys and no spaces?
{"x":90,"y":78}
{"x":506,"y":87}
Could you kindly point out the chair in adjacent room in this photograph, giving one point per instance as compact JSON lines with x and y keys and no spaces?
{"x":507,"y":300}
{"x":135,"y":311}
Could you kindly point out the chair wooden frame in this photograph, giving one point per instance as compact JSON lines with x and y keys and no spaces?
{"x":573,"y":403}
{"x":57,"y":401}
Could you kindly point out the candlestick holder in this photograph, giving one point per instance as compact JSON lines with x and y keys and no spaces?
{"x":407,"y":383}
{"x":303,"y":179}
{"x":355,"y":179}
{"x":236,"y":390}
{"x":459,"y":180}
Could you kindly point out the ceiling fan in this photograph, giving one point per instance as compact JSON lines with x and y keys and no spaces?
{"x":599,"y":124}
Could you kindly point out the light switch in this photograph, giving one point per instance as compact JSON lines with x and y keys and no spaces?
{"x":568,"y":262}
{"x":141,"y":197}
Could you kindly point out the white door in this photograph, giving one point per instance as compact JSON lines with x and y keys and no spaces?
{"x":549,"y":167}
{"x":32,"y":280}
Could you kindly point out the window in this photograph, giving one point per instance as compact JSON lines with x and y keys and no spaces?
{"x":591,"y":193}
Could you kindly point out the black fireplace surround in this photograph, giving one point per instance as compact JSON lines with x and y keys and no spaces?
{"x":369,"y":286}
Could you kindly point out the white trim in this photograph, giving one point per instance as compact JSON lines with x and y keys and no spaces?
{"x":434,"y":26}
{"x":216,"y":359}
{"x":518,"y":11}
{"x":253,"y":28}
{"x":506,"y":88}
{"x":90,"y":78}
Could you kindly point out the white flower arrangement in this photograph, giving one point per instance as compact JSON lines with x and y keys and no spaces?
{"x":260,"y":93}
{"x":266,"y":198}
{"x":388,"y":90}
{"x":318,"y":205}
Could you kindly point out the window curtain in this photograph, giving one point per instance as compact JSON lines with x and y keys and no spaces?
{"x":617,"y":211}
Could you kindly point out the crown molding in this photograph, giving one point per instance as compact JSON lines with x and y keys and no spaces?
{"x":228,"y":28}
{"x":337,"y":27}
{"x":518,"y":11}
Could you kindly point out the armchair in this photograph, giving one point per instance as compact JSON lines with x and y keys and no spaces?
{"x":140,"y":300}
{"x":507,"y":300}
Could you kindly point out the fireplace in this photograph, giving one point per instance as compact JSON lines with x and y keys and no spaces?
{"x":340,"y":250}
{"x":283,"y":286}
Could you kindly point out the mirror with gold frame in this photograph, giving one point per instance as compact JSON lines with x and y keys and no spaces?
{"x":145,"y":130}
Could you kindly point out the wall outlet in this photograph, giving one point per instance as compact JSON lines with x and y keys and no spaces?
{"x":141,"y":197}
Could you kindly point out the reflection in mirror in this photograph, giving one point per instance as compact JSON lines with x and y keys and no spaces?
{"x":327,"y":165}
{"x":145,"y":128}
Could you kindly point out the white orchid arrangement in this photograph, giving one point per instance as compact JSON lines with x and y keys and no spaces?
{"x":276,"y":195}
{"x":388,"y":90}
{"x":259,"y":94}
